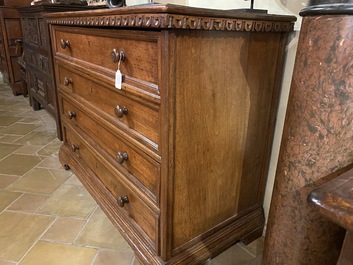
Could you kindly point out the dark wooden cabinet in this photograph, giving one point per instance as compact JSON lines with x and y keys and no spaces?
{"x":178,"y":157}
{"x":38,"y":57}
{"x":10,"y":32}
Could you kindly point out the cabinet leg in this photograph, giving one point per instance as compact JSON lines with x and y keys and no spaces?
{"x":35,"y":104}
{"x":67,"y":167}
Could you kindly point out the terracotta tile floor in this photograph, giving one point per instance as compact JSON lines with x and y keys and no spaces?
{"x":46,"y":216}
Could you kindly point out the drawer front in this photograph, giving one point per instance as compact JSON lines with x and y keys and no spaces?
{"x":140,"y":50}
{"x":135,"y":211}
{"x":122,"y":109}
{"x":143,"y":168}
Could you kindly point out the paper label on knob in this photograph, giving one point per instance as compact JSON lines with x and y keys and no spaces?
{"x":118,"y":79}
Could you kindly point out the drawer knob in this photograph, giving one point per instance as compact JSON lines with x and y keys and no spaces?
{"x":71,"y":114}
{"x":122,"y":156}
{"x":74,"y":147}
{"x":120,"y":111}
{"x":64,"y":43}
{"x":122,"y":200}
{"x":67,"y":81}
{"x":117,"y":56}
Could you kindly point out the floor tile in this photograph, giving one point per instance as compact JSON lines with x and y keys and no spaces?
{"x":8,"y":120}
{"x":45,"y":253}
{"x":10,"y":164}
{"x":109,"y":257}
{"x":51,"y":148}
{"x":49,"y":122}
{"x":28,"y":149}
{"x":64,"y":230}
{"x":10,"y":138}
{"x":6,"y":149}
{"x":50,"y":162}
{"x":73,"y":180}
{"x":6,"y":198}
{"x":17,"y":113}
{"x":256,"y":261}
{"x":19,"y":129}
{"x":41,"y":180}
{"x":18,"y":233}
{"x":234,"y":256}
{"x":30,"y":120}
{"x":19,"y":107}
{"x":136,"y":262}
{"x":100,"y":232}
{"x":37,"y":138}
{"x":256,"y":247}
{"x":28,"y":203}
{"x":3,"y":262}
{"x":30,"y":115}
{"x":60,"y":203}
{"x":7,"y":180}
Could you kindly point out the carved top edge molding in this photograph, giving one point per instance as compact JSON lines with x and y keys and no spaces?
{"x":174,"y":21}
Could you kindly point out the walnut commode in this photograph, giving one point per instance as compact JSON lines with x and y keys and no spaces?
{"x":178,"y":157}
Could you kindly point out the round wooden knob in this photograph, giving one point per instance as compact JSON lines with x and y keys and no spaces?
{"x":120,"y":111}
{"x":67,"y":81}
{"x":71,"y":114}
{"x":122,"y":156}
{"x":64,"y":43}
{"x":117,"y":56}
{"x":122,"y":200}
{"x":74,"y":148}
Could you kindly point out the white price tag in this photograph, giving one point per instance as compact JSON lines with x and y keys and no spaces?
{"x":118,"y":79}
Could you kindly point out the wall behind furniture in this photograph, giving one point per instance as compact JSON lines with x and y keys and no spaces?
{"x":285,"y":7}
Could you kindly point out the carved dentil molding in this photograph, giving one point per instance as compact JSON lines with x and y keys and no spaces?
{"x":170,"y":21}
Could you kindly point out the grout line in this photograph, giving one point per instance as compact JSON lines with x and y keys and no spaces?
{"x":36,"y":241}
{"x":13,"y":201}
{"x":84,"y":226}
{"x":95,"y":257}
{"x":38,"y":118}
{"x":248,"y":251}
{"x":9,"y":261}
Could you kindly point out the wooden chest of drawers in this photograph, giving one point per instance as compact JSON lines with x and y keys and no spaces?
{"x":38,"y":56}
{"x":10,"y":31}
{"x":178,"y":157}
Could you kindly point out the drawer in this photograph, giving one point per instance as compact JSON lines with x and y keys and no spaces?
{"x":135,"y":211}
{"x":85,"y":44}
{"x":123,"y":110}
{"x":128,"y":159}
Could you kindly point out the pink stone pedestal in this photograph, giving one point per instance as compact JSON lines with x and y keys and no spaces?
{"x":317,"y":142}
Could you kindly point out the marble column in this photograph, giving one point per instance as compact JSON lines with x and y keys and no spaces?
{"x":317,"y":141}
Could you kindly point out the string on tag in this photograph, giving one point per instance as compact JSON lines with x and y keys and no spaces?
{"x":118,"y":77}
